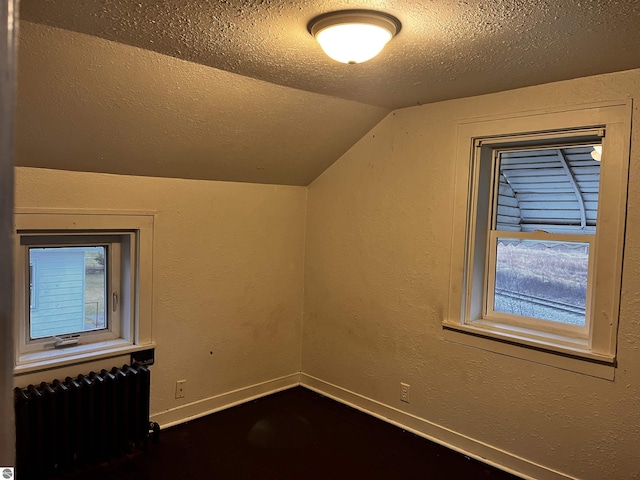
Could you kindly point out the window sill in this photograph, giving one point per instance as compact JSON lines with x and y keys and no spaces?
{"x":566,"y":357}
{"x":50,"y":359}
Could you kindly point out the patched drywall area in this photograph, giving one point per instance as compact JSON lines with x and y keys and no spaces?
{"x":227,"y":274}
{"x":379,"y":225}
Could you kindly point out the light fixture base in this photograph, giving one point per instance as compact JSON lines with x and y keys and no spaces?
{"x":353,"y":36}
{"x":372,"y":17}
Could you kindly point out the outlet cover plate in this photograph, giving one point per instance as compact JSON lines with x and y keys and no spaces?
{"x":405,"y":391}
{"x":180,"y":388}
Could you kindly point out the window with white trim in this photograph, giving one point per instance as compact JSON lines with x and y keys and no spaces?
{"x":82,"y":286}
{"x":539,"y":230}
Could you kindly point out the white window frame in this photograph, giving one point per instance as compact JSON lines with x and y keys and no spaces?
{"x":465,"y":321}
{"x":486,"y":158}
{"x":129,"y":238}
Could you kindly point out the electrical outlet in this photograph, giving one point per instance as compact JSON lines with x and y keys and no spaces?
{"x":405,"y":390}
{"x":180,"y":388}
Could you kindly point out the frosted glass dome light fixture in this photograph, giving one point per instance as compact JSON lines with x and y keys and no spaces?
{"x":353,"y":36}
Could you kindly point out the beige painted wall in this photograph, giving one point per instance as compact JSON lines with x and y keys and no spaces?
{"x":379,"y":225}
{"x":228,"y":278}
{"x":227,"y":274}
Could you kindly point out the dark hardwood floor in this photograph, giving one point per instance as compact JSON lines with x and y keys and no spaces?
{"x":294,"y":434}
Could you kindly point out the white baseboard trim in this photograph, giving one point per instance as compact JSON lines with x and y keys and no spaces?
{"x":456,"y":441}
{"x":201,"y":408}
{"x":436,"y":433}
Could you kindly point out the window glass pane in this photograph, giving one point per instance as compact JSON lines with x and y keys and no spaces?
{"x":554,"y":190}
{"x":542,"y":279}
{"x":68,"y":290}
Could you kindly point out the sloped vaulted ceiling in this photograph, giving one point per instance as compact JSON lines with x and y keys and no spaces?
{"x":238,"y":89}
{"x":89,"y":104}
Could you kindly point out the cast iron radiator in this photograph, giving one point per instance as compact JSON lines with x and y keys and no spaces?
{"x":80,"y":421}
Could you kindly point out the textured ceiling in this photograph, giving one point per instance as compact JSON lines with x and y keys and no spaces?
{"x":446,"y":48}
{"x":239,"y":90}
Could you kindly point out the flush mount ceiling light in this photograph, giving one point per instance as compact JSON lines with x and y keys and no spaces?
{"x":353,"y":36}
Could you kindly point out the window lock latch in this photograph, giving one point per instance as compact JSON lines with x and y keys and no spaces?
{"x":61,"y":342}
